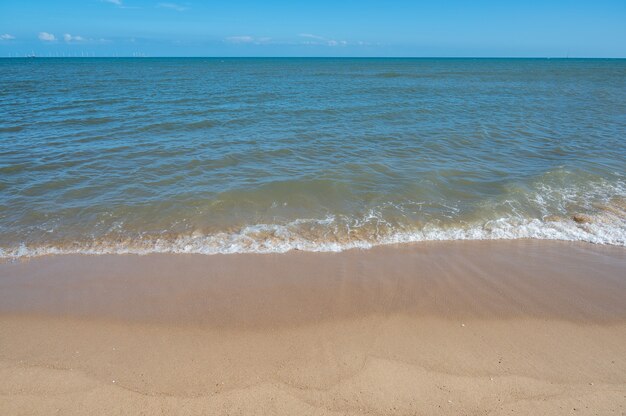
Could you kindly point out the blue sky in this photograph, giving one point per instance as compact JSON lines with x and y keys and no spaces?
{"x":313,"y":28}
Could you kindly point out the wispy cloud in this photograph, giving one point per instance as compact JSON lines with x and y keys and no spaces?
{"x":337,"y":42}
{"x":249,"y":39}
{"x":321,"y":40}
{"x":120,"y":4}
{"x":6,"y":36}
{"x":46,"y":37}
{"x":69,"y":38}
{"x":240,"y":39}
{"x":173,"y":6}
{"x":309,"y":39}
{"x":311,"y":36}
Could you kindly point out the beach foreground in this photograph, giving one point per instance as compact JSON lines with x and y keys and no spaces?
{"x":484,"y":327}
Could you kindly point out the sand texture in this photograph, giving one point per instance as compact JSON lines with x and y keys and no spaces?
{"x":450,"y":328}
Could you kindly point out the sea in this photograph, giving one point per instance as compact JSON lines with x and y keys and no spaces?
{"x":268,"y":155}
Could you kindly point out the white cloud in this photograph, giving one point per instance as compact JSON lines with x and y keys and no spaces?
{"x":310,"y":39}
{"x":172,"y":6}
{"x":69,"y":38}
{"x":311,"y":36}
{"x":47,"y":37}
{"x":249,"y":40}
{"x":120,"y":4}
{"x":240,"y":39}
{"x":321,"y":40}
{"x":333,"y":42}
{"x":6,"y":36}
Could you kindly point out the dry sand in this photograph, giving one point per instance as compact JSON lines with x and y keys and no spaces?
{"x":485,"y":328}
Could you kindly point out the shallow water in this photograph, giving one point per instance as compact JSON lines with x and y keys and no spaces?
{"x":264,"y":155}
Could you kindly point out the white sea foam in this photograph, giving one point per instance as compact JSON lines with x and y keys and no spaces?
{"x":606,"y":228}
{"x":599,"y":217}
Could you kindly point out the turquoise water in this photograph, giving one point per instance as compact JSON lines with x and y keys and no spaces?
{"x":268,"y":155}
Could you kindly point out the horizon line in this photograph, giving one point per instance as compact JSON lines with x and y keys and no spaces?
{"x":300,"y":57}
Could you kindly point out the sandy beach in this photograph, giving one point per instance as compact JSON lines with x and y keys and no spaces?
{"x":441,"y":328}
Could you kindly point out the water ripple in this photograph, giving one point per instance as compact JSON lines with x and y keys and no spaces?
{"x":208,"y":156}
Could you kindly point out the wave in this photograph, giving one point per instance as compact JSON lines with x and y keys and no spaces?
{"x":11,"y":129}
{"x":326,"y":235}
{"x":556,"y":205}
{"x":163,"y":127}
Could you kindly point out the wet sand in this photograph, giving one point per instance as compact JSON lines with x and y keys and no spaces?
{"x":489,"y":327}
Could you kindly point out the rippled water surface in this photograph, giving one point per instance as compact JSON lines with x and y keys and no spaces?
{"x":237,"y":155}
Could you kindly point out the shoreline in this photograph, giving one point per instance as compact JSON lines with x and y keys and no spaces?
{"x":472,"y":327}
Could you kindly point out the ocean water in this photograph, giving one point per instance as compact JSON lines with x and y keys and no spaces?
{"x":269,"y":155}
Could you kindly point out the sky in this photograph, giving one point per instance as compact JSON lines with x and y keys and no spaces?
{"x":532,"y":28}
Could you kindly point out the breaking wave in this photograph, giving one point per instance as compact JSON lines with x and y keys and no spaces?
{"x":334,"y":234}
